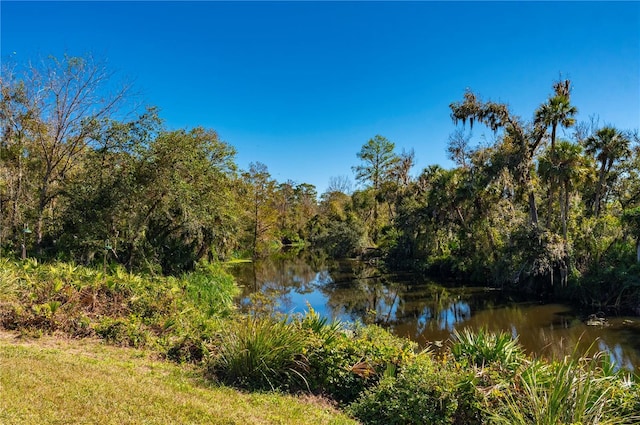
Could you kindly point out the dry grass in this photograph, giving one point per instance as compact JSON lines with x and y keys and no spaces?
{"x":52,"y":380}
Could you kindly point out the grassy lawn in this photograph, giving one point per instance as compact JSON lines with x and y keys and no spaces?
{"x":60,"y":381}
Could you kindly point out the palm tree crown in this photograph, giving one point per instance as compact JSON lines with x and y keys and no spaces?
{"x":607,"y":145}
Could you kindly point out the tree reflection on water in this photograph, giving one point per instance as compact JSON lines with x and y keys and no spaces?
{"x":426,"y":311}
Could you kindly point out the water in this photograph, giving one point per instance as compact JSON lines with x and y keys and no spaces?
{"x":428,"y":312}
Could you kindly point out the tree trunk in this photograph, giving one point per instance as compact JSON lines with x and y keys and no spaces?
{"x":550,"y":193}
{"x":596,"y":204}
{"x":255,"y":228}
{"x":13,"y":222}
{"x":375,"y":219}
{"x":42,"y":203}
{"x":40,"y":222}
{"x":533,"y":211}
{"x":565,"y":212}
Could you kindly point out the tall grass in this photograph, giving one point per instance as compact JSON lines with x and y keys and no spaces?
{"x":571,"y":391}
{"x":211,"y":289}
{"x":482,"y":348}
{"x":261,"y":353}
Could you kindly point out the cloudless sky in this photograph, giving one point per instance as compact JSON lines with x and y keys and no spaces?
{"x":301,"y":86}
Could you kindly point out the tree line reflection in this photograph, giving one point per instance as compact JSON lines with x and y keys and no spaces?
{"x":424,"y":311}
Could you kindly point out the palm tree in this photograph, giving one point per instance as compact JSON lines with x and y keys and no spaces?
{"x":572,"y":169}
{"x":566,"y":167}
{"x":524,"y":140}
{"x":557,"y":111}
{"x":548,"y":171}
{"x":608,"y":145}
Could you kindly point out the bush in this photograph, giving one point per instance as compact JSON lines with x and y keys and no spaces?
{"x":571,"y":391}
{"x":424,"y":392}
{"x":625,"y":398}
{"x":179,"y":314}
{"x":484,"y":348}
{"x":343,"y":366}
{"x":261,"y":353}
{"x":306,"y":354}
{"x":124,"y":332}
{"x":211,"y":290}
{"x":188,"y":335}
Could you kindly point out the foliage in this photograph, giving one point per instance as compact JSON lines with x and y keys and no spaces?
{"x":55,"y":380}
{"x":120,"y":331}
{"x":96,"y":184}
{"x":92,"y":185}
{"x":338,"y":230}
{"x":382,"y":171}
{"x":261,"y":353}
{"x":615,"y":286}
{"x":327,"y":331}
{"x":344,"y":365}
{"x":608,"y":146}
{"x":569,"y":391}
{"x":471,"y":222}
{"x":425,"y":392}
{"x":211,"y":290}
{"x":261,"y":209}
{"x":483,"y":348}
{"x":50,"y":115}
{"x":174,"y":314}
{"x":509,"y":388}
{"x":379,"y":378}
{"x":79,"y":182}
{"x":341,"y":239}
{"x":307,"y":353}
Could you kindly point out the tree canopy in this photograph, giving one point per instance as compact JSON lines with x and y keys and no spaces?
{"x":82,"y":177}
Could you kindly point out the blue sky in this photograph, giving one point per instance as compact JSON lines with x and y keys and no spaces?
{"x":301,"y":86}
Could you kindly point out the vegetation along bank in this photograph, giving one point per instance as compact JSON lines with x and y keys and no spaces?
{"x":114,"y":227}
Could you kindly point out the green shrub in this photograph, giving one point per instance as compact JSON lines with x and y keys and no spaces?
{"x":624,"y":398}
{"x":424,"y":392}
{"x":261,"y":353}
{"x":211,"y":290}
{"x":482,"y":348}
{"x":188,"y":336}
{"x":571,"y":391}
{"x":179,"y":314}
{"x":126,"y":332}
{"x":319,"y":326}
{"x":347,"y":363}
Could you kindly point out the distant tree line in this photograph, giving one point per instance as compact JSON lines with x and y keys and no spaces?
{"x":82,"y":177}
{"x":550,"y":203}
{"x":550,"y":207}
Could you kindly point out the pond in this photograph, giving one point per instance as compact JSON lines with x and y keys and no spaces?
{"x":428,"y":312}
